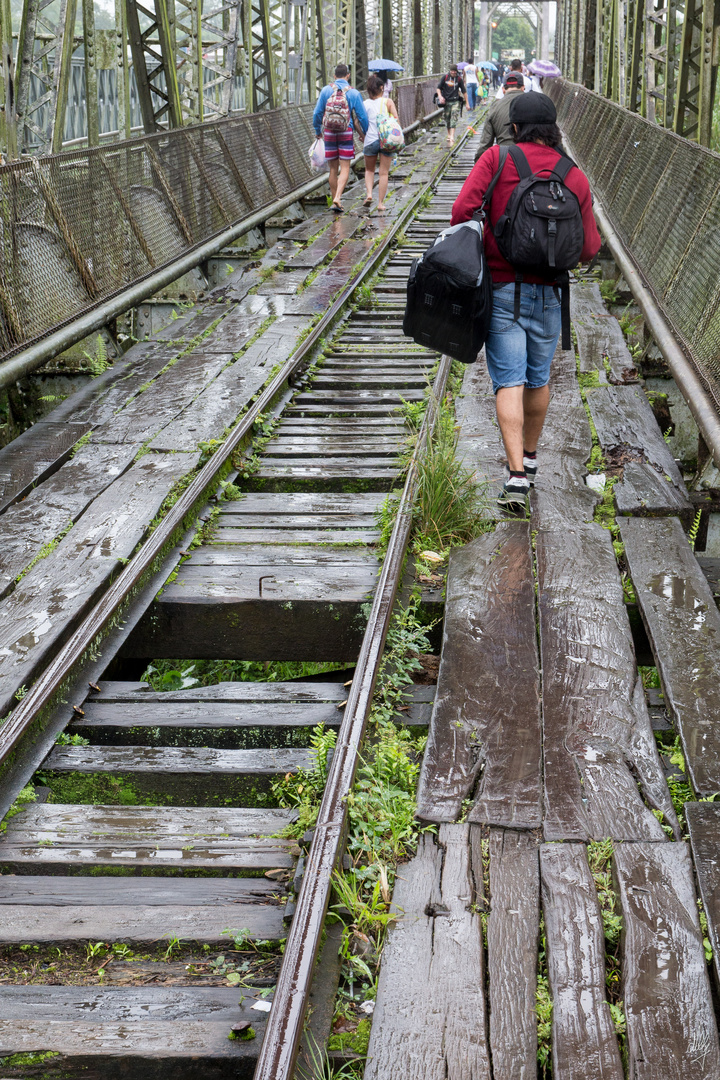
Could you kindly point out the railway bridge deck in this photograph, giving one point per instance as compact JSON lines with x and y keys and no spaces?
{"x":203,"y":559}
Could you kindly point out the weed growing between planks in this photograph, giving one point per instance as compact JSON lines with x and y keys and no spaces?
{"x":543,"y":1008}
{"x":183,"y":674}
{"x":600,"y":853}
{"x":382,"y":830}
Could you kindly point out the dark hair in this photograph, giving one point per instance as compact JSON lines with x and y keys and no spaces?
{"x":470,"y":60}
{"x":516,"y":65}
{"x":374,"y":86}
{"x":549,"y":134}
{"x":342,"y":71}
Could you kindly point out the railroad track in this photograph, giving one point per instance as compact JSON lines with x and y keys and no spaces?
{"x":154,"y":823}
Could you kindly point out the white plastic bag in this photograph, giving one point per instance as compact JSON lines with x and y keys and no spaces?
{"x":317,"y":155}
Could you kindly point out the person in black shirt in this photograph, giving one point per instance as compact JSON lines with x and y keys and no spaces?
{"x":451,"y":91}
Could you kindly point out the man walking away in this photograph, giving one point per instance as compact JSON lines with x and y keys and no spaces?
{"x":338,"y":107}
{"x":519,"y":350}
{"x":451,"y":91}
{"x":497,"y":126}
{"x":517,"y":67}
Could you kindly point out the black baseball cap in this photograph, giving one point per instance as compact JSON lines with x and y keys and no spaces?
{"x":514,"y":79}
{"x":532,"y":108}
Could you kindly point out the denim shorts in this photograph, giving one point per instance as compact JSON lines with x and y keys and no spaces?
{"x":373,"y":149}
{"x":519,"y":353}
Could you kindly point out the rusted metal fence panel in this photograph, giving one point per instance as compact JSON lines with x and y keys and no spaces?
{"x":662,"y":195}
{"x":77,"y":228}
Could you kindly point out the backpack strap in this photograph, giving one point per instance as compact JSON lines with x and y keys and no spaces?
{"x":562,"y":167}
{"x":521,"y":162}
{"x":487,"y":197}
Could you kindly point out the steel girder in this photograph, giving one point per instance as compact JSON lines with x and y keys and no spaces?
{"x":656,"y":57}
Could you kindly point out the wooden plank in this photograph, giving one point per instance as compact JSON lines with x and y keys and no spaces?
{"x":703,"y":821}
{"x":598,"y":740}
{"x":59,"y":500}
{"x":242,"y":692}
{"x":683,"y":625}
{"x":671,"y":1027}
{"x":274,"y":536}
{"x":344,"y":583}
{"x":479,"y":444}
{"x":429,"y":1020}
{"x":513,"y":928}
{"x":711,"y":569}
{"x":218,"y":404}
{"x":584,"y":1044}
{"x":485,"y":732}
{"x":326,"y":285}
{"x":268,"y":554}
{"x":35,"y":454}
{"x":47,"y":837}
{"x":234,"y":517}
{"x":305,"y":502}
{"x":53,"y":1004}
{"x":600,"y":339}
{"x":48,"y":603}
{"x":165,"y":397}
{"x":341,"y":229}
{"x":333,"y":446}
{"x":650,"y":482}
{"x":52,"y":891}
{"x":137,"y":924}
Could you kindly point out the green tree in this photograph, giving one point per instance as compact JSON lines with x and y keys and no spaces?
{"x":514,"y":33}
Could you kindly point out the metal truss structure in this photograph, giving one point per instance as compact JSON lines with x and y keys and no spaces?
{"x":534,"y":11}
{"x":658,"y":58}
{"x":186,"y":61}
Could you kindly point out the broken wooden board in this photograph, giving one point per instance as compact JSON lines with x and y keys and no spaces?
{"x":50,"y":600}
{"x":703,"y":821}
{"x":35,"y":454}
{"x":47,"y":837}
{"x":298,"y":608}
{"x":598,"y":741}
{"x":650,"y":482}
{"x":584,"y":1044}
{"x":55,"y":503}
{"x":485,"y":733}
{"x":683,"y":625}
{"x":601,"y":343}
{"x":430,"y":1015}
{"x":513,"y":929}
{"x":671,"y":1027}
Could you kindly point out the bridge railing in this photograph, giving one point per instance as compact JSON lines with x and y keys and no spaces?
{"x":80,"y":227}
{"x":662,"y":196}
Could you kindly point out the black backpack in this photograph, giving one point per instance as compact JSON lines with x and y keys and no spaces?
{"x":541,"y":230}
{"x":450,"y":293}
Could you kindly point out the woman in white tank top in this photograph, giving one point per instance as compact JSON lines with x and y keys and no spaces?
{"x":375,"y":103}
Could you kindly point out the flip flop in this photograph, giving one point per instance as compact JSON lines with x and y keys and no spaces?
{"x":367,"y":202}
{"x":338,"y":208}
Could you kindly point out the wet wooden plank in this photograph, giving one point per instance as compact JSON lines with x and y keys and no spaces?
{"x":236,"y":518}
{"x":305,"y":502}
{"x":584,"y":1044}
{"x":136,"y":924}
{"x":340,"y":230}
{"x":600,"y":339}
{"x":703,"y":821}
{"x":50,"y":891}
{"x":165,"y":397}
{"x":650,"y":482}
{"x":298,"y":555}
{"x":35,"y":454}
{"x":485,"y":733}
{"x":711,"y":569}
{"x":479,"y":442}
{"x":513,"y":928}
{"x":49,"y":837}
{"x":598,"y":740}
{"x":50,"y":600}
{"x":129,"y":1004}
{"x":671,"y":1027}
{"x":297,"y":690}
{"x":326,"y":285}
{"x":683,"y":625}
{"x":429,"y":1020}
{"x":218,"y":404}
{"x":59,"y":500}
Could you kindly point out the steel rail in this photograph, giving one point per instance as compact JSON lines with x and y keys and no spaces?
{"x":180,"y":515}
{"x":16,"y":367}
{"x":279,"y":1050}
{"x":689,"y":383}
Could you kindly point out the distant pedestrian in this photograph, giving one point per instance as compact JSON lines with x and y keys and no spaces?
{"x":451,"y":93}
{"x":375,"y":104}
{"x":497,"y":126}
{"x":385,"y":79}
{"x":526,"y":315}
{"x":470,"y":75}
{"x":517,"y":65}
{"x":338,"y":108}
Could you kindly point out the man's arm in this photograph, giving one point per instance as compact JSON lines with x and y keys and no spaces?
{"x":473,"y":190}
{"x":489,"y":134}
{"x":319,"y":112}
{"x":358,"y":107}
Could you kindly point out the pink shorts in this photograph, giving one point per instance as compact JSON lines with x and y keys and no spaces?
{"x":339,"y":144}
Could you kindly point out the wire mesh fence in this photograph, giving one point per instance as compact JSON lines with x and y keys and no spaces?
{"x":77,"y":228}
{"x":662,"y":194}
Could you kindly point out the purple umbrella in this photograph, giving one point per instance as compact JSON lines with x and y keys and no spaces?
{"x":545,"y":69}
{"x":462,"y":65}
